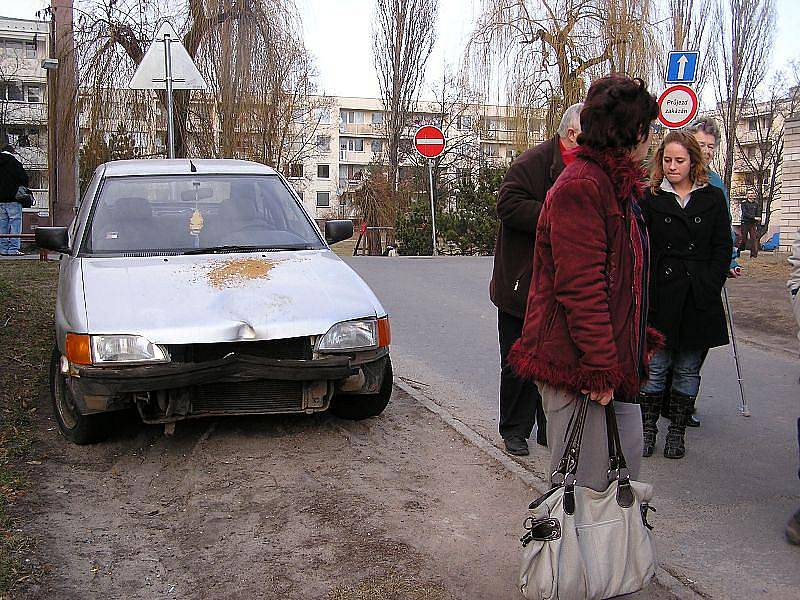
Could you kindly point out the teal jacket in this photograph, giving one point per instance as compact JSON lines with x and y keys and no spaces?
{"x":715,"y":180}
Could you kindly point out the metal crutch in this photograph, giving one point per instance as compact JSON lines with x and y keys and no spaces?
{"x":744,"y":407}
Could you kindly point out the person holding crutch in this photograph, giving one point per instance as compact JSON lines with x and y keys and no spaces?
{"x":689,"y":227}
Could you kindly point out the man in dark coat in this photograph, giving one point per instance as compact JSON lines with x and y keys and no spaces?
{"x":12,"y":175}
{"x":750,"y":216}
{"x":520,"y":201}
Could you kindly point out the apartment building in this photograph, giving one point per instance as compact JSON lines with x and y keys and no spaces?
{"x":758,"y":164}
{"x":23,"y":103}
{"x":351,"y":135}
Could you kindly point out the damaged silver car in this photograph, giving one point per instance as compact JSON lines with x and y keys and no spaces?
{"x":195,"y":288}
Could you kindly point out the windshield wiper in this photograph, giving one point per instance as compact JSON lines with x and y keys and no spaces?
{"x":235,"y":248}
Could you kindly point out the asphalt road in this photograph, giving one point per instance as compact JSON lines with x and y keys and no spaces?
{"x":721,"y":510}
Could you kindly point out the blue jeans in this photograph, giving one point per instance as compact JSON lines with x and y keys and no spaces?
{"x":685,"y":365}
{"x":10,"y":222}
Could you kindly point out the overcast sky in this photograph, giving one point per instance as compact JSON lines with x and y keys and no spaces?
{"x":338,"y":34}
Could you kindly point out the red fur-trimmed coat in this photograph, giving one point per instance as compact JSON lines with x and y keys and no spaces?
{"x":587,"y":306}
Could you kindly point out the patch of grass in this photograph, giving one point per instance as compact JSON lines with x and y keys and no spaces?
{"x":390,"y":586}
{"x":27,"y":299}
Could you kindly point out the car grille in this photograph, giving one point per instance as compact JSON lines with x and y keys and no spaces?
{"x":288,"y":348}
{"x":249,"y":397}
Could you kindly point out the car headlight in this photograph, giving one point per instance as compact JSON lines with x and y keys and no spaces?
{"x":126,"y":349}
{"x":350,"y":335}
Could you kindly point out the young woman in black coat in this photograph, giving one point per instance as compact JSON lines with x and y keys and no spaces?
{"x":690,"y":252}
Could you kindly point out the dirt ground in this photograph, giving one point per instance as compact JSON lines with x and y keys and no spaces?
{"x":286,"y":507}
{"x":760,"y":302}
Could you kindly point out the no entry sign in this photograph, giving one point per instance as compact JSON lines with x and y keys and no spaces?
{"x":429,"y":141}
{"x":678,"y":105}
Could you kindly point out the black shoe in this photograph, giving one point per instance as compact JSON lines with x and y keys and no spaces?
{"x":693,"y":421}
{"x":517,"y":446}
{"x":793,"y":529}
{"x":541,"y":434}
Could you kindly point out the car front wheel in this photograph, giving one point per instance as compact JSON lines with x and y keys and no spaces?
{"x":362,"y":406}
{"x":76,"y":427}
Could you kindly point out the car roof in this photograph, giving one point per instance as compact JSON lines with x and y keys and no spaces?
{"x":183,"y":166}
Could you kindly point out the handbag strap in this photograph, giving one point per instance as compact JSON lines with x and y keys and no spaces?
{"x":574,"y":434}
{"x":617,"y":466}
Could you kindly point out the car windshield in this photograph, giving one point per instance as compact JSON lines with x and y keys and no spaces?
{"x":198,"y":213}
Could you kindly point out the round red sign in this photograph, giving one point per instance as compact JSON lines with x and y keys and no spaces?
{"x":429,"y":141}
{"x":677,"y":106}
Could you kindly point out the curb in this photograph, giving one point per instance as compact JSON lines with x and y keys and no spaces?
{"x":677,"y":586}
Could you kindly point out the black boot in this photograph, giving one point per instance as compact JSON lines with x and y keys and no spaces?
{"x":651,"y":409}
{"x":679,"y":406}
{"x":691,"y":420}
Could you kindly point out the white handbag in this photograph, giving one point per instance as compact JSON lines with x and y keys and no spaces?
{"x":583,"y":544}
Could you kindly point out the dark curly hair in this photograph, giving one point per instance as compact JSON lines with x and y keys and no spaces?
{"x":617,"y":113}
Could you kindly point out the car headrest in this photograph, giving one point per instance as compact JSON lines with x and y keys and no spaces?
{"x":132,"y":209}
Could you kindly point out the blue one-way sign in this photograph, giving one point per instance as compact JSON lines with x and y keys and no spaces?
{"x":682,"y":66}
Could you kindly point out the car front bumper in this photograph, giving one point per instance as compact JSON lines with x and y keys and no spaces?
{"x":236,"y":384}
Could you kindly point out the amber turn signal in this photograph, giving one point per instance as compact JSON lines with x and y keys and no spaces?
{"x":384,"y":333}
{"x":78,"y":349}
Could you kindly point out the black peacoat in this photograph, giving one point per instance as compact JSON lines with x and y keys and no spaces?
{"x":690,"y":253}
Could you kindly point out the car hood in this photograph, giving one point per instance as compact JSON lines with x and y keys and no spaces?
{"x":224,"y":297}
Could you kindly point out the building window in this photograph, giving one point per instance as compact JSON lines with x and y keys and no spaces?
{"x":30,"y":49}
{"x":354,"y":144}
{"x":352,"y":116}
{"x":377,"y":146}
{"x":295,"y":170}
{"x":465,"y":122}
{"x":324,"y":143}
{"x":11,"y":90}
{"x":323,"y":199}
{"x":323,"y":171}
{"x":34,"y":93}
{"x":492,"y":150}
{"x":752,"y":124}
{"x":323,"y":116}
{"x":464,"y":177}
{"x":13,"y":48}
{"x":377,"y":118}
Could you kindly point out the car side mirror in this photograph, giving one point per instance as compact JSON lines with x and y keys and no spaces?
{"x":336,"y":231}
{"x":52,"y":238}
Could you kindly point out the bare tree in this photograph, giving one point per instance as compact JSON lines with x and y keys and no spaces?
{"x":759,"y":150}
{"x":552,"y":49}
{"x":250,"y":52}
{"x":403,"y":35}
{"x":747,"y":29}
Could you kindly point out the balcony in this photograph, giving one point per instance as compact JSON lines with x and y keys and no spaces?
{"x":25,"y":113}
{"x":362,"y":129}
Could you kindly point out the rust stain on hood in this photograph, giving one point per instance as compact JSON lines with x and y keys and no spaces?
{"x":237,"y":272}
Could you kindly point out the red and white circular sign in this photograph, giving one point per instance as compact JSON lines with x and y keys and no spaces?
{"x":677,"y":106}
{"x":429,"y":141}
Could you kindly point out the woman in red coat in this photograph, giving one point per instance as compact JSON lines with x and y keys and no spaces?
{"x":585,"y":324}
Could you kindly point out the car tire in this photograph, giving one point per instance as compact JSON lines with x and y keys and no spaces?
{"x":77,"y":428}
{"x":356,"y":407}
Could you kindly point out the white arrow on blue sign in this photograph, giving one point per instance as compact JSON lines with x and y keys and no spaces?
{"x":682,"y":66}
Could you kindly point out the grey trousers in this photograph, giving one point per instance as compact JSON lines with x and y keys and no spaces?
{"x":558,"y":405}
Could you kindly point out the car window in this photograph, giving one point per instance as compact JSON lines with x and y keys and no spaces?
{"x":152,"y":213}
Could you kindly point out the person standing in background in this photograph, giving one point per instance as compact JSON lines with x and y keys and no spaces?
{"x":12,"y":176}
{"x":519,"y":203}
{"x":751,"y":215}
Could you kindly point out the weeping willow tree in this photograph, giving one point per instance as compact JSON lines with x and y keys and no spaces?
{"x":548,"y":51}
{"x":260,"y":77}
